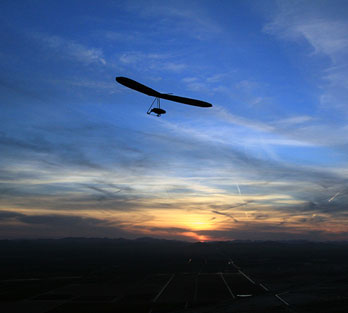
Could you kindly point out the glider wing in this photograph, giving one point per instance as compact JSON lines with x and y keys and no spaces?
{"x":184,"y":100}
{"x":130,"y":83}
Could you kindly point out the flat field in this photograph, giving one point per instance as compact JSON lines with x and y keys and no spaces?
{"x":153,"y":276}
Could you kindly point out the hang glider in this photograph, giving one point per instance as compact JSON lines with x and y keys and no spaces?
{"x":132,"y":84}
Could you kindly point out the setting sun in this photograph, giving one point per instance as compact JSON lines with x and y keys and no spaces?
{"x":182,"y":219}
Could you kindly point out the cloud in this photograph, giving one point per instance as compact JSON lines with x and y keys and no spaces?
{"x":47,"y":151}
{"x":195,"y":84}
{"x":19,"y":225}
{"x":225,"y":214}
{"x":120,"y":36}
{"x":172,"y":66}
{"x":95,"y":85}
{"x":9,"y":215}
{"x":188,"y":19}
{"x":325,"y":35}
{"x":296,"y":130}
{"x":18,"y":88}
{"x":71,"y":49}
{"x":246,"y":165}
{"x":152,"y":61}
{"x":56,"y":161}
{"x":107,"y":192}
{"x":238,"y":120}
{"x":48,"y":220}
{"x":131,"y":58}
{"x":325,"y":30}
{"x":87,"y":171}
{"x":293,"y":121}
{"x":267,"y":232}
{"x":328,"y":37}
{"x":61,"y":220}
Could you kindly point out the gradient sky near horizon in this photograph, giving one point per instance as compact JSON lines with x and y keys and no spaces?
{"x":79,"y":156}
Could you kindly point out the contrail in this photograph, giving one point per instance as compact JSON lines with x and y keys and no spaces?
{"x":240,"y":194}
{"x":332,"y":198}
{"x":238,"y":190}
{"x":225,"y":214}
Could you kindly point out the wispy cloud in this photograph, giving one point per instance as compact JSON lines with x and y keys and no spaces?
{"x":72,"y":145}
{"x":189,"y":19}
{"x":293,"y":121}
{"x":27,"y":225}
{"x":225,"y":214}
{"x":229,"y":117}
{"x":152,"y":61}
{"x":95,"y":85}
{"x":67,"y":48}
{"x":327,"y":35}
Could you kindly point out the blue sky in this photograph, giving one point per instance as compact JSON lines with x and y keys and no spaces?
{"x":80,"y":157}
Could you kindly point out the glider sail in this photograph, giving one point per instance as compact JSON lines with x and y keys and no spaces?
{"x":195,"y":102}
{"x":130,"y":83}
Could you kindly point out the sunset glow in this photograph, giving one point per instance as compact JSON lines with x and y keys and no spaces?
{"x":80,"y":156}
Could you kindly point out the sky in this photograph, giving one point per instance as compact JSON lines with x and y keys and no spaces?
{"x":79,"y":156}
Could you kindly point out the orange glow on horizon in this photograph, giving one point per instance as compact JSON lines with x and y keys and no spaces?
{"x":196,"y":237}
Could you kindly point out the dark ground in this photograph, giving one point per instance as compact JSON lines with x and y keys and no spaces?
{"x":148,"y":275}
